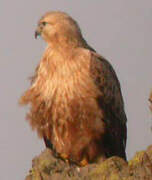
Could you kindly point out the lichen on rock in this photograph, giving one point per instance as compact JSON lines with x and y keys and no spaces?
{"x":47,"y":167}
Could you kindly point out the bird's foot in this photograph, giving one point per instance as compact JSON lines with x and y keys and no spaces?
{"x":64,"y":156}
{"x":84,"y":162}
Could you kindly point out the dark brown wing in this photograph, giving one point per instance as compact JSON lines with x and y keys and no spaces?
{"x":112,"y":104}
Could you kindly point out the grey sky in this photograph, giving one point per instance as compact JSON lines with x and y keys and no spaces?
{"x":120,"y":30}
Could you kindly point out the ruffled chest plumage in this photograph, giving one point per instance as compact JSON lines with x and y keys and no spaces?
{"x":61,"y":77}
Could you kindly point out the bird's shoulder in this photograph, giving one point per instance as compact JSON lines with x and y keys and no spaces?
{"x":105,"y":78}
{"x":101,"y":69}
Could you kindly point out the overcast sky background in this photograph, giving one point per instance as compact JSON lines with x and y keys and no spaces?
{"x":120,"y":30}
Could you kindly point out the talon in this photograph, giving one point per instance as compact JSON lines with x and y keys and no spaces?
{"x":84,"y":162}
{"x":64,"y":156}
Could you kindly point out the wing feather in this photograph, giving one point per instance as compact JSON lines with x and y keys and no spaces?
{"x":112,"y":104}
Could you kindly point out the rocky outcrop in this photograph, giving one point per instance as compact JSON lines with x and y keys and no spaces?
{"x":47,"y":167}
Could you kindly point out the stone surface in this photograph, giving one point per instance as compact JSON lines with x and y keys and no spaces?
{"x":47,"y":167}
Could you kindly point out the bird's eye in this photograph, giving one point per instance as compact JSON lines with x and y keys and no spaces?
{"x":44,"y":23}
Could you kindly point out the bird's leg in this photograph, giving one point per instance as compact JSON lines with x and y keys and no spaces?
{"x":49,"y":145}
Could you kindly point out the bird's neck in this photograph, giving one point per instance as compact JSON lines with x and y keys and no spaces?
{"x":66,"y":44}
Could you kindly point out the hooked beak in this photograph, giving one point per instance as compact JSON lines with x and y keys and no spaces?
{"x":38,"y":32}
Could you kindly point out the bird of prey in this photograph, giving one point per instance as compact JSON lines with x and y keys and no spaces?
{"x":75,"y":98}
